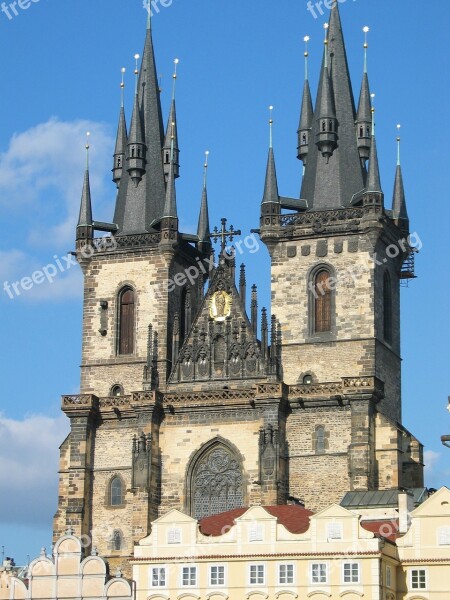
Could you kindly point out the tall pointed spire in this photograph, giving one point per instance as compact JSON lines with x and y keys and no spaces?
{"x":364,"y":118}
{"x":84,"y":227}
{"x":326,"y":118}
{"x":136,"y":145}
{"x":203,"y":229}
{"x":399,"y":210}
{"x":172,"y":130}
{"x":121,"y":139}
{"x":271,"y":195}
{"x":170,"y":206}
{"x":306,"y":114}
{"x":373,"y":177}
{"x":333,"y":184}
{"x":139,"y":208}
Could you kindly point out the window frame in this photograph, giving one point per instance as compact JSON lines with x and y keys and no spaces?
{"x":286,"y":564}
{"x":120,"y":316}
{"x":159,"y":568}
{"x":258,"y":567}
{"x":337,"y":525}
{"x":177,"y":536}
{"x":217,"y":566}
{"x":442,"y":534}
{"x":312,"y":301}
{"x":311,"y":573}
{"x":117,"y":534}
{"x":418,"y":570}
{"x":110,"y":503}
{"x":388,"y":576}
{"x":191,"y":568}
{"x":351,"y":564}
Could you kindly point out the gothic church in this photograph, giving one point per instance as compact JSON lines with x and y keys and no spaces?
{"x":190,"y":398}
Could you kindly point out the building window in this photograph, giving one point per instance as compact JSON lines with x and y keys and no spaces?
{"x":387,"y":308}
{"x":189,"y":576}
{"x":444,"y":536}
{"x":215,"y":481}
{"x":255,"y":532}
{"x":351,"y":572}
{"x":217,"y":575}
{"x":158,"y":575}
{"x":334,"y":531}
{"x":322,"y":302}
{"x":320,"y":440}
{"x":174,"y":536}
{"x":126,"y":321}
{"x":285,"y":574}
{"x":116,"y":390}
{"x":307,"y":379}
{"x":257,"y":574}
{"x":117,"y":540}
{"x":319,"y":573}
{"x":418,"y":579}
{"x":116,"y":491}
{"x":388,"y":577}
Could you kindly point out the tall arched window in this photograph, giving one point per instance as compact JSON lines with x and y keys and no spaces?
{"x":322,"y":302}
{"x":215,"y":482}
{"x":320,"y":439}
{"x":116,"y":491}
{"x":126,"y":321}
{"x":387,"y":308}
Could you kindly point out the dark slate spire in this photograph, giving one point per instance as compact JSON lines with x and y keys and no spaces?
{"x":172,"y":131}
{"x":333,"y":184}
{"x":170,"y":206}
{"x":373,"y":177}
{"x":326,"y":119}
{"x":364,"y":116}
{"x":203,"y":230}
{"x":399,"y":211}
{"x":136,"y":146}
{"x":271,"y":185}
{"x":84,"y":228}
{"x":121,"y":147}
{"x":306,"y":114}
{"x":139,"y":207}
{"x":121,"y":139}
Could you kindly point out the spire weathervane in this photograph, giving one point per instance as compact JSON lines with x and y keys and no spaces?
{"x":223,"y":235}
{"x":205,"y":169}
{"x":87,"y":146}
{"x":136,"y":70}
{"x":122,"y":86}
{"x":366,"y":45}
{"x":270,"y":126}
{"x":398,"y":143}
{"x":174,"y":77}
{"x":306,"y":54}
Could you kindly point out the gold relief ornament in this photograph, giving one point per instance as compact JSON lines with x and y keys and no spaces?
{"x":220,"y":305}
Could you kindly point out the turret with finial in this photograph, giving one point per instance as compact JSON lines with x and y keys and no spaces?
{"x":172,"y":133}
{"x":364,"y":116}
{"x":85,"y":230}
{"x":136,"y":155}
{"x":399,"y":210}
{"x":327,"y":121}
{"x":121,"y":139}
{"x":203,"y":229}
{"x":307,"y":113}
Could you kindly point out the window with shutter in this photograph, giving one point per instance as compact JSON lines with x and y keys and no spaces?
{"x":322,"y":295}
{"x":126,"y":322}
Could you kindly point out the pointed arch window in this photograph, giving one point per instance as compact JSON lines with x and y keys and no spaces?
{"x":387,"y":308}
{"x":215,"y":482}
{"x":116,"y":495}
{"x":322,"y":302}
{"x":117,"y":540}
{"x":126,"y":321}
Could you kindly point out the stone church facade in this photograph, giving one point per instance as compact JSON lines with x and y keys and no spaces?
{"x":190,"y":399}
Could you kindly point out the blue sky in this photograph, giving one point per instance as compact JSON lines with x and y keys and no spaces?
{"x":60,"y":77}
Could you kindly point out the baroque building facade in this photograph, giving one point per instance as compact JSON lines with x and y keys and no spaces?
{"x":191,"y":402}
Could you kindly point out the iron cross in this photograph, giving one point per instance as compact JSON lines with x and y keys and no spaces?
{"x":224,"y":235}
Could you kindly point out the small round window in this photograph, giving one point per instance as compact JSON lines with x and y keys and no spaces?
{"x":307,"y":380}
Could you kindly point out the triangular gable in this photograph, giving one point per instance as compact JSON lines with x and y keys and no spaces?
{"x":334,"y":511}
{"x":174,"y":516}
{"x":437,"y":504}
{"x":221,"y":343}
{"x":256,"y":513}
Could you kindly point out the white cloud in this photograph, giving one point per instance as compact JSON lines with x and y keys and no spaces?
{"x":29,"y":468}
{"x":431,"y":459}
{"x":42,"y":172}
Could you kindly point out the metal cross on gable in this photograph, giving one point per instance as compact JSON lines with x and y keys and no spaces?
{"x":224,"y":235}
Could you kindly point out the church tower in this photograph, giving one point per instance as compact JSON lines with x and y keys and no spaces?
{"x":191,"y":399}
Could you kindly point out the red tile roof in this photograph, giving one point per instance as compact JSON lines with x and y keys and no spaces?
{"x":387,"y":528}
{"x":295,"y":518}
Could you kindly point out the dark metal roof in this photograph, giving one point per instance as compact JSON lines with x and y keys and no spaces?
{"x":380,"y":498}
